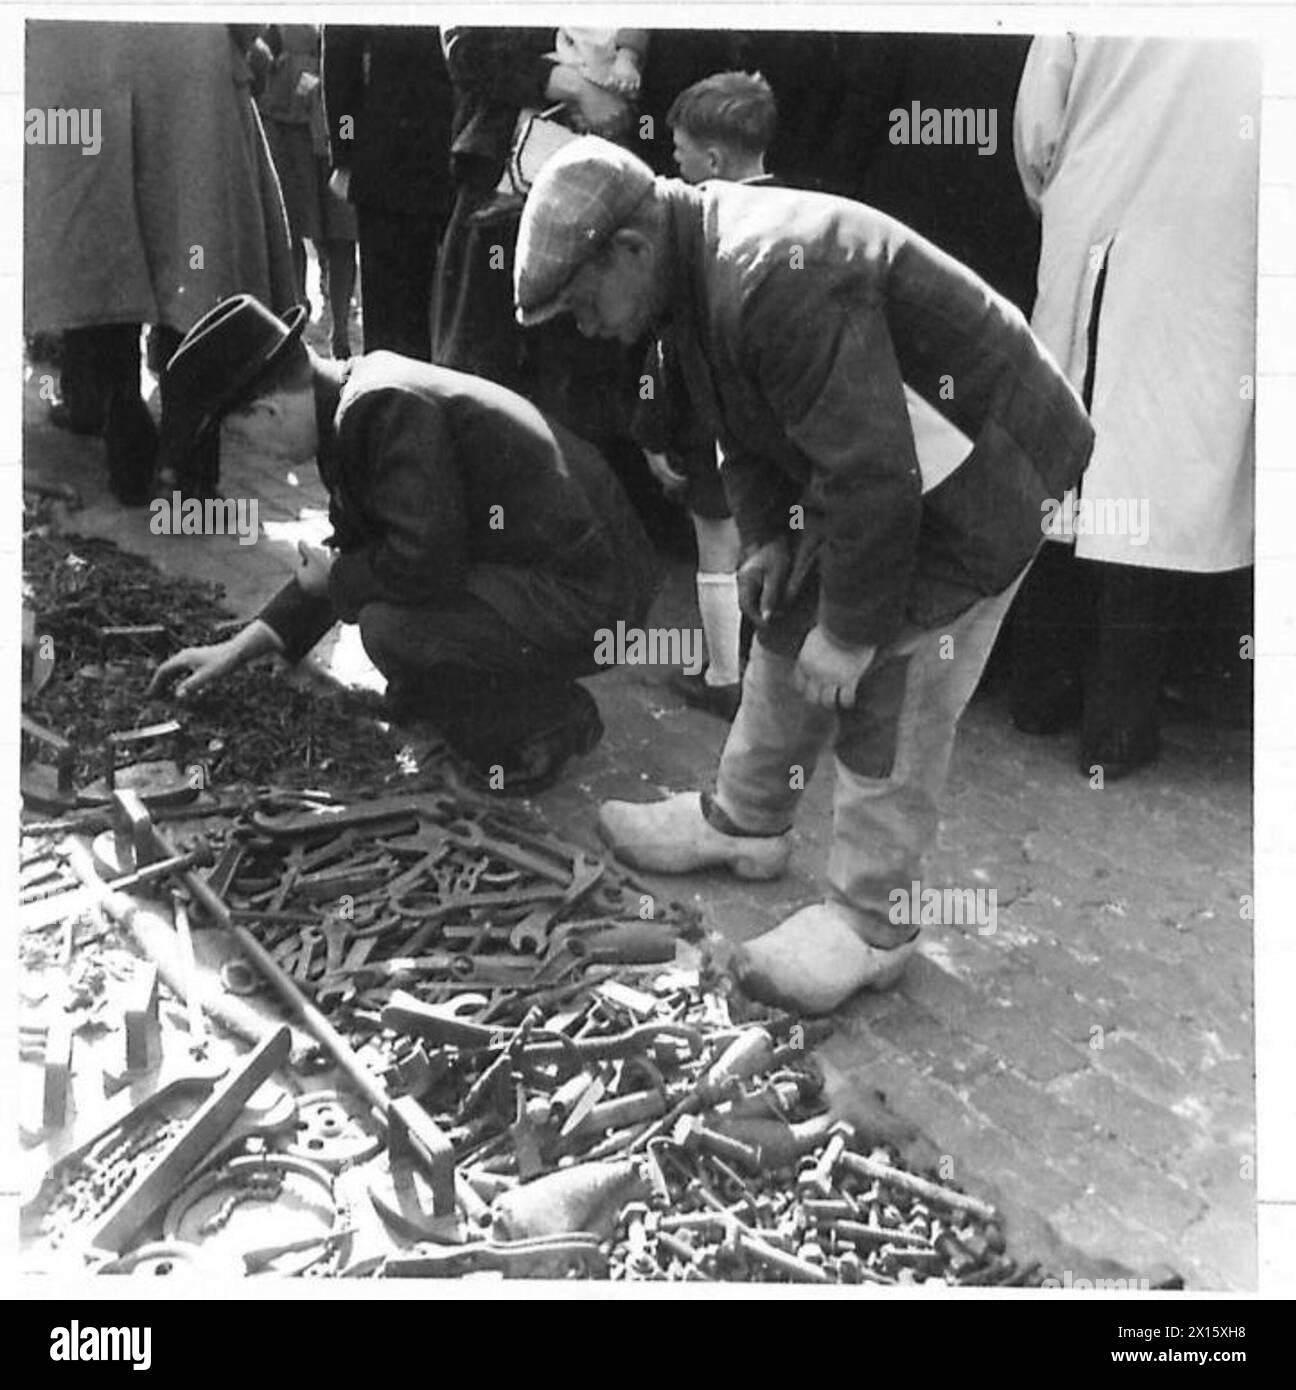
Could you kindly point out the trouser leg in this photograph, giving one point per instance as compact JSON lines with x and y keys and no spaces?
{"x":299,"y":267}
{"x":398,"y":257}
{"x":1136,"y":610}
{"x":1048,"y":627}
{"x":340,"y":263}
{"x":194,"y":469}
{"x":886,"y":817}
{"x":480,"y":681}
{"x":773,"y":747}
{"x":97,"y":363}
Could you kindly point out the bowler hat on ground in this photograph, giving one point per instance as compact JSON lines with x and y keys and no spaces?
{"x":583,"y":194}
{"x":221,"y":359}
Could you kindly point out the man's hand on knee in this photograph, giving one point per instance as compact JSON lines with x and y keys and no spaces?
{"x":827,"y":673}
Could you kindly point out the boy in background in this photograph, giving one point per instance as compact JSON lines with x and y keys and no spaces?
{"x":721,"y":128}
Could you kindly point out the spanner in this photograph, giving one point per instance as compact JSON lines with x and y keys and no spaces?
{"x":472,"y":835}
{"x":532,"y":932}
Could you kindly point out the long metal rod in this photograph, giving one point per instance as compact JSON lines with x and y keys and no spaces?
{"x":404,"y":1117}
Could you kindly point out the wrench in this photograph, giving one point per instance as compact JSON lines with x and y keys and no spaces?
{"x":406,"y":904}
{"x":308,"y":939}
{"x":431,"y":917}
{"x":532,"y":932}
{"x":337,"y":936}
{"x":412,"y":810}
{"x":471,"y":834}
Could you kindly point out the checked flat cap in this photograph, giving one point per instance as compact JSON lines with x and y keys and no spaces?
{"x":581,"y":196}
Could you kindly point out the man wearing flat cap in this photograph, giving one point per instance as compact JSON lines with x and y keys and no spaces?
{"x":479,"y":547}
{"x":799,"y":320}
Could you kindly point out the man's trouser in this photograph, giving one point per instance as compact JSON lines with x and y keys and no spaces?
{"x":486,"y":687}
{"x":398,"y":256}
{"x":892,"y":750}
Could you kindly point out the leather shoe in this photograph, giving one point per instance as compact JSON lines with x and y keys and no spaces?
{"x":720,"y":700}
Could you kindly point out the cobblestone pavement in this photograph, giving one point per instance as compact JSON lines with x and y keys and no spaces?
{"x":1089,"y":1062}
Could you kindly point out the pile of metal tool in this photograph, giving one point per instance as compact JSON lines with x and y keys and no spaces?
{"x":502,"y":1054}
{"x":438,"y":893}
{"x":96,"y":623}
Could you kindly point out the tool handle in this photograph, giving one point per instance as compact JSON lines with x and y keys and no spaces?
{"x":909,"y":1182}
{"x":748,"y":1054}
{"x":403,"y":1013}
{"x":155,"y":939}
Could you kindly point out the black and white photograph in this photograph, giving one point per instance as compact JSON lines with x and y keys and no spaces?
{"x":639,"y":658}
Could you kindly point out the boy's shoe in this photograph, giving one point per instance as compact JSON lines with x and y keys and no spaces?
{"x":720,"y":700}
{"x":675,"y":837}
{"x":813,"y":962}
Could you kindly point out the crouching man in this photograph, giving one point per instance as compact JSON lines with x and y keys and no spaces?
{"x":478,"y":546}
{"x":799,"y":320}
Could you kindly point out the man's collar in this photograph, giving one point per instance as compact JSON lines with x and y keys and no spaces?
{"x":680,"y":248}
{"x":328,"y":379}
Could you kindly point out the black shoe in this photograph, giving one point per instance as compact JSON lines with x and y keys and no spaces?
{"x":720,"y":700}
{"x":538,"y":762}
{"x":1119,"y":752}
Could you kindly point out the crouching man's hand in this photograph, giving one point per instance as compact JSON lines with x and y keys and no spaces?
{"x":312,"y":573}
{"x":762,"y":578}
{"x":827,"y":673}
{"x":196,"y":667}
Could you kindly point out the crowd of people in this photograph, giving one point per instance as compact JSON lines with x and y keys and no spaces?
{"x":598,"y":266}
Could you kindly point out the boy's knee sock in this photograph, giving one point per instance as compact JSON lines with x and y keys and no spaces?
{"x":721,"y":624}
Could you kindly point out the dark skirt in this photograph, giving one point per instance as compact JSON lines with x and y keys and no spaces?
{"x":315,"y":212}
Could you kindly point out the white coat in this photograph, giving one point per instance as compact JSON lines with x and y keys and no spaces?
{"x":1142,"y":155}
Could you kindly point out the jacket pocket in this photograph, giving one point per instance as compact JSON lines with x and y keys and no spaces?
{"x":985,"y":521}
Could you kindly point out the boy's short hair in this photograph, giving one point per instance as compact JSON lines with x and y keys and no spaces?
{"x":731,"y":108}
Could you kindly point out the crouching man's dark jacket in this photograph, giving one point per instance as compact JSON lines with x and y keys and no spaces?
{"x":799,"y":318}
{"x":442,"y":484}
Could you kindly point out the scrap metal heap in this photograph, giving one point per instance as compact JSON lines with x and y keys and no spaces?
{"x":502,"y":1054}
